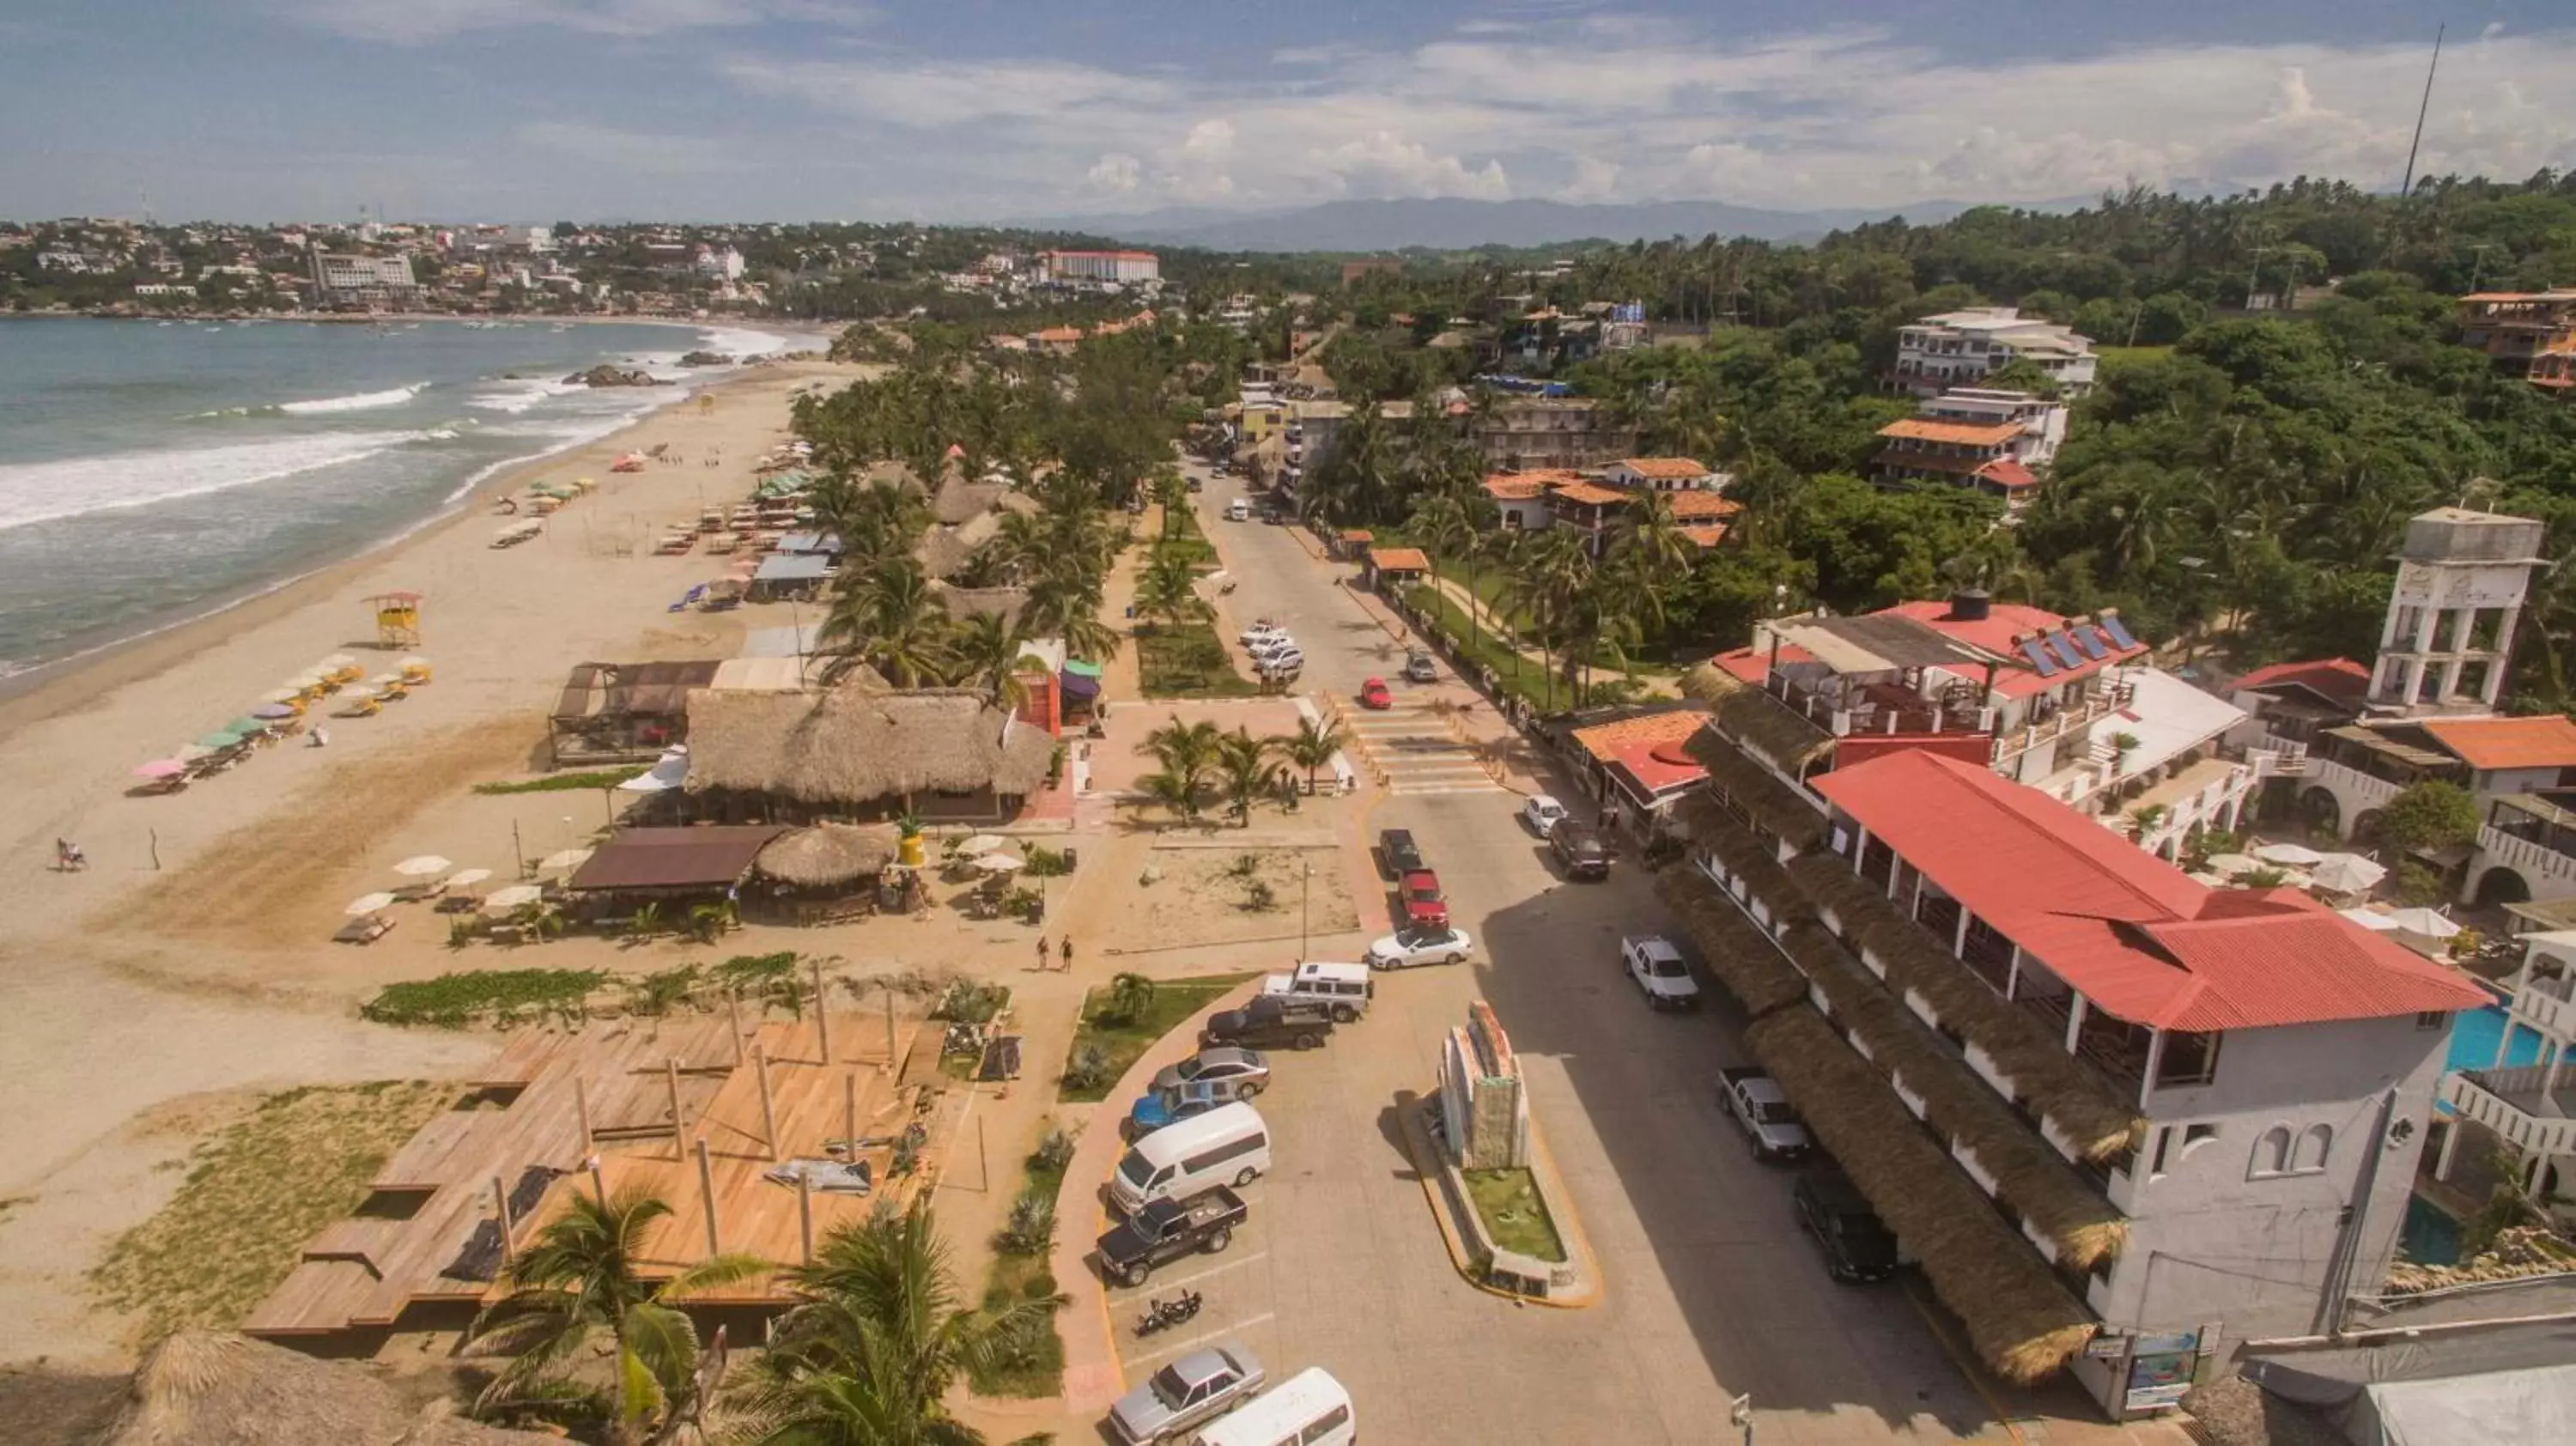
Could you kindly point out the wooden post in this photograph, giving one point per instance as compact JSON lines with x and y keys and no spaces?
{"x":509,"y":1227}
{"x":890,"y":1059}
{"x":805,"y":1214}
{"x":581,"y":1107}
{"x":850,"y":1113}
{"x":768,"y":1112}
{"x":598,"y":1180}
{"x":679,"y":1121}
{"x":707,"y":1192}
{"x":822,"y":1015}
{"x":983,"y":1159}
{"x":733,"y":1007}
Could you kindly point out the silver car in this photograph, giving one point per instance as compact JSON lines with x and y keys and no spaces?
{"x":1200,"y":1386}
{"x":1225,"y":1062}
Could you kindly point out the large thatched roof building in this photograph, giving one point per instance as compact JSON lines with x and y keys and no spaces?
{"x":860,"y":754}
{"x":209,"y":1389}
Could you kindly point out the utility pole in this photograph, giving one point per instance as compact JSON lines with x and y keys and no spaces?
{"x":2406,"y":187}
{"x":2254,"y":276}
{"x":2478,"y":261}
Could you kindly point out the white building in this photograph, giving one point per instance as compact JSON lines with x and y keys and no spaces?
{"x":1115,"y":268}
{"x":2042,"y":422}
{"x":721,"y":265}
{"x":363,"y":280}
{"x":2532,"y":1106}
{"x":2461,"y":580}
{"x":1959,"y":348}
{"x":1664,"y":474}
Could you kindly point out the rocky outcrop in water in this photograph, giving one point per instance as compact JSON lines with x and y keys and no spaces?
{"x":705,"y":359}
{"x":605,"y":375}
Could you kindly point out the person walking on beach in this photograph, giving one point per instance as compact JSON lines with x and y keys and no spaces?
{"x":1044,"y":962}
{"x":1064,"y":952}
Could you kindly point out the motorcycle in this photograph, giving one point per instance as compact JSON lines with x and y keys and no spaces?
{"x":1163,"y":1314}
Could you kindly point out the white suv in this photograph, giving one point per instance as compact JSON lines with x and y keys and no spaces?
{"x":1269,"y":643}
{"x":1658,"y":969}
{"x":1343,"y":989}
{"x":1279,"y":664}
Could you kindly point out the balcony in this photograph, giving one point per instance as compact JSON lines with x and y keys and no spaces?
{"x":2099,"y":700}
{"x":2274,"y":756}
{"x":2547,"y":1005}
{"x":2523,"y":1105}
{"x":1840,"y":706}
{"x":2368,"y":792}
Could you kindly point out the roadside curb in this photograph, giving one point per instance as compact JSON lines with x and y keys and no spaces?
{"x":1427,"y":1169}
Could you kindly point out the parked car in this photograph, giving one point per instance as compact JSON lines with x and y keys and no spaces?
{"x":1762,"y":1108}
{"x":1196,"y":483}
{"x":1283,"y":663}
{"x":1397,"y":851}
{"x":1228,"y":1145}
{"x":1261,"y":628}
{"x":1245,"y":1066}
{"x":1419,"y":668}
{"x":1308,"y":1409}
{"x":1374,"y":694}
{"x":1156,"y":1108}
{"x":1343,"y":989}
{"x":1408,"y":947}
{"x":1580,"y":849}
{"x":1857,"y":1247}
{"x":1270,"y":1022}
{"x":1541,"y":812}
{"x":1238,"y":511}
{"x":1198,"y":1387}
{"x":1166,"y":1230}
{"x":1659,"y":970}
{"x":1425,"y":907}
{"x":1270,"y":645}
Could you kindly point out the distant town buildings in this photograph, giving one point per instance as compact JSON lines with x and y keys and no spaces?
{"x":369,"y":281}
{"x":1960,"y":348}
{"x":1118,"y":268}
{"x":1996,"y":442}
{"x":2533,"y":332}
{"x":1535,"y":433}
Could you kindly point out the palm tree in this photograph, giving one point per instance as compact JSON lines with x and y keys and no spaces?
{"x":1440,"y":522}
{"x":891,"y":620}
{"x":1172,"y":494}
{"x":1130,"y":995}
{"x":1242,"y":761}
{"x":1167,"y":588}
{"x":1186,"y":750}
{"x":1174,"y":792}
{"x":580,"y":1279}
{"x":1310,"y":747}
{"x":1548,"y":581}
{"x":878,"y":1336}
{"x":986,"y":647}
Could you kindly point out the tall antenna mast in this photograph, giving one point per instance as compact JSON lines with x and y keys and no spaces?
{"x":2406,"y":187}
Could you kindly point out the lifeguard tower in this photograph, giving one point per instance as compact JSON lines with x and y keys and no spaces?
{"x":397,"y":619}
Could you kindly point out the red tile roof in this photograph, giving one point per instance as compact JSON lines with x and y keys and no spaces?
{"x":1398,"y":559}
{"x":1604,"y":741}
{"x":1708,"y":534}
{"x":2340,"y":679}
{"x":2129,"y":931}
{"x":1995,"y":633}
{"x":1505,"y":487}
{"x":1657,"y":767}
{"x":1966,"y":434}
{"x":1700,"y":506}
{"x":2490,"y":743}
{"x":1753,"y":665}
{"x":1667,"y":468}
{"x":2007,"y":473}
{"x":1589,"y":495}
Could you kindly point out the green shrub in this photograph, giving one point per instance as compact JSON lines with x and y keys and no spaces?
{"x":452,"y":1001}
{"x":566,"y":782}
{"x":1088,"y":1070}
{"x":1040,"y":1286}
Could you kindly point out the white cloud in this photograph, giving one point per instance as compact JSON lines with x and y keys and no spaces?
{"x":1114,"y":173}
{"x":1382,"y":165}
{"x":1594,"y":180}
{"x":417,"y":21}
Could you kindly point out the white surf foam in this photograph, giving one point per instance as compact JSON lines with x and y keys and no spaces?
{"x":48,"y":491}
{"x":355,"y":402}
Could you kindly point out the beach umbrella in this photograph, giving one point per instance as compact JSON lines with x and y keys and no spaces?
{"x":2233,"y":864}
{"x":565,"y":859}
{"x":219,"y":741}
{"x":513,"y":896}
{"x":281,"y":697}
{"x":422,"y":865}
{"x":669,"y":772}
{"x":998,"y":863}
{"x":2346,"y":873}
{"x":246,"y":726}
{"x":385,"y":680}
{"x":2427,"y":922}
{"x":190,"y":752}
{"x":2371,"y":919}
{"x":463,"y":877}
{"x":339,"y":660}
{"x":161,"y":768}
{"x":272,"y":712}
{"x":2295,"y":855}
{"x":366,"y":904}
{"x":983,"y":843}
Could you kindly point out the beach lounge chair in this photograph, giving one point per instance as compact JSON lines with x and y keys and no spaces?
{"x":830,"y":1177}
{"x":420,"y":893}
{"x":358,"y":708}
{"x":365,"y":929}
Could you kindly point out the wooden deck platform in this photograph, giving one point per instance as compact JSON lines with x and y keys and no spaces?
{"x":527,"y":1111}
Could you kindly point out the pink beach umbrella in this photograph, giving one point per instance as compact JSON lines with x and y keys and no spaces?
{"x":161,"y":768}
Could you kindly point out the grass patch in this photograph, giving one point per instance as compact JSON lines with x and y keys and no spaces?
{"x":1182,"y":536}
{"x":451,"y":1001}
{"x":2113,"y":357}
{"x":254,"y":1195}
{"x":1030,"y":1364}
{"x":1121,"y":1042}
{"x":1507,"y":1201}
{"x":1187,"y":661}
{"x":566,"y":782}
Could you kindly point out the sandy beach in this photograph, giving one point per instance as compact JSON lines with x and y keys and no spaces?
{"x":188,"y":966}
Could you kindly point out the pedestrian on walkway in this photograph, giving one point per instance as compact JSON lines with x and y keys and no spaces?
{"x":1064,"y":951}
{"x":1044,"y":963}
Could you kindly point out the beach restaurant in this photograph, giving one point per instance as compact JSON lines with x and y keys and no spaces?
{"x":624,"y":712}
{"x":858,"y":754}
{"x":639,"y":864}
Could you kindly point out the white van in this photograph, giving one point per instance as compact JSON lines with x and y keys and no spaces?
{"x":1345,"y":989}
{"x":1228,"y":1145}
{"x":1239,"y":510}
{"x":1308,"y":1409}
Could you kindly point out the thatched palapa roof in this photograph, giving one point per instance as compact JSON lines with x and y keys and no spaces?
{"x":828,"y":855}
{"x":2096,"y":1120}
{"x":1733,"y":949}
{"x":2029,"y":1172}
{"x":959,"y":500}
{"x":945,"y":551}
{"x":2020,"y":1319}
{"x":899,"y":475}
{"x":1748,"y":713}
{"x":1778,"y":807}
{"x":210,"y":1389}
{"x":851,"y":747}
{"x":1746,"y":855}
{"x":966,"y":602}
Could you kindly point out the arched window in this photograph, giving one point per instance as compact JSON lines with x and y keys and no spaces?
{"x":2314,"y":1141}
{"x":2271,"y":1152}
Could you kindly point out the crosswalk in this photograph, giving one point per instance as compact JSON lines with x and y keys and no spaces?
{"x":1415,"y":750}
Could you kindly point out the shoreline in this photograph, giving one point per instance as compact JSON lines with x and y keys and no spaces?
{"x":47,"y":690}
{"x":824,"y":332}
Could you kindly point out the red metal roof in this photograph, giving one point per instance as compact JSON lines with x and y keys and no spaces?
{"x":2007,"y":473}
{"x":2338,"y":679}
{"x":1657,"y":767}
{"x":2548,"y":741}
{"x":2137,"y":937}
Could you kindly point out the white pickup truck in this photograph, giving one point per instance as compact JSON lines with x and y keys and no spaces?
{"x":1657,"y":967}
{"x":1759,"y":1105}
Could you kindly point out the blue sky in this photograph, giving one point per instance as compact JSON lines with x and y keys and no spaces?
{"x":974,"y":109}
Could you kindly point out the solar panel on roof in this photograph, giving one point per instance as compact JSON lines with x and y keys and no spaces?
{"x":2089,"y":639}
{"x":2067,"y":653}
{"x":2119,"y":635}
{"x":2032,"y":649}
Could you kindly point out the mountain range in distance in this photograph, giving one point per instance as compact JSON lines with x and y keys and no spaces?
{"x":1458,"y":225}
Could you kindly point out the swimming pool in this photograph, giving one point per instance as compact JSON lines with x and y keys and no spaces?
{"x":2475,"y":1034}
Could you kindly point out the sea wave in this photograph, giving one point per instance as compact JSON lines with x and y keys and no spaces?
{"x":355,"y":402}
{"x":49,"y":491}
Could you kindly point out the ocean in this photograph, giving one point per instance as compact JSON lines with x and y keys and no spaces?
{"x":151,"y":472}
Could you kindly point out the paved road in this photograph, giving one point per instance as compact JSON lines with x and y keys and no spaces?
{"x":1711,"y":1290}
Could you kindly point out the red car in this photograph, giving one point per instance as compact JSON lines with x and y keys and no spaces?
{"x":1425,"y":907}
{"x":1373,"y":694}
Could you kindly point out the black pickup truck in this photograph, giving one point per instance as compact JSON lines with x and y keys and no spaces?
{"x":1166,"y":1230}
{"x":1270,"y":1022}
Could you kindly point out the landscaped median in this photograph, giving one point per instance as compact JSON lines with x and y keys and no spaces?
{"x":1510,"y":1232}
